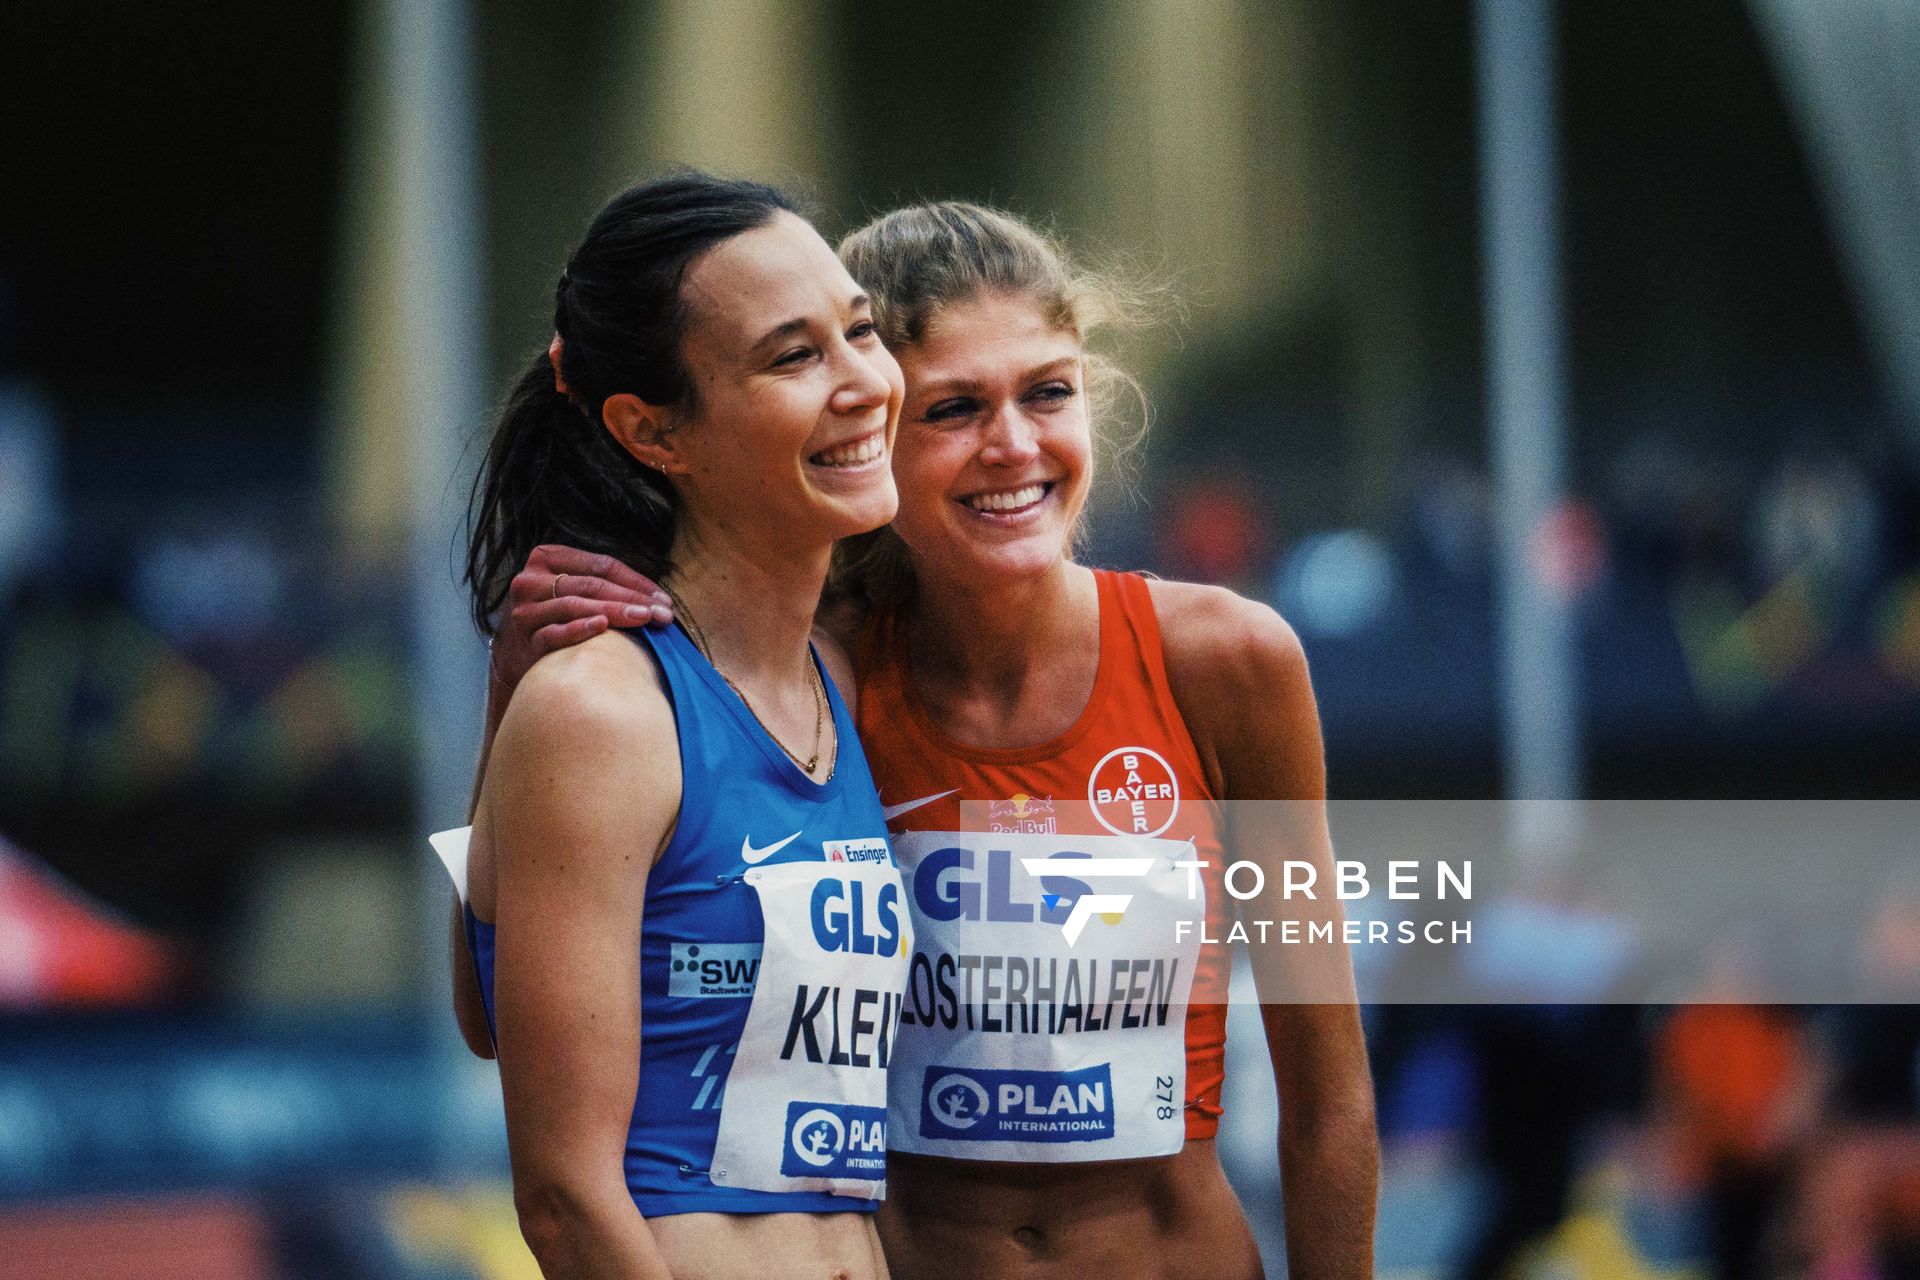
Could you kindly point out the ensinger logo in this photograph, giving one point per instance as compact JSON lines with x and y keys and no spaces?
{"x":981,"y":1104}
{"x":868,"y":850}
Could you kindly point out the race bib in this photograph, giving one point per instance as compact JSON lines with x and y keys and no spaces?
{"x":1045,"y":1011}
{"x":451,"y":848}
{"x":805,"y":1107}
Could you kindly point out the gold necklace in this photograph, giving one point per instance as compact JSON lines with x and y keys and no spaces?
{"x":699,"y":637}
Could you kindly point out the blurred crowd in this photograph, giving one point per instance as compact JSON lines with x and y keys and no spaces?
{"x":1707,"y":1137}
{"x":1769,"y":571}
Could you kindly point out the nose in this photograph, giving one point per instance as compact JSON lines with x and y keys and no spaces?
{"x":1011,"y":440}
{"x":863,"y":384}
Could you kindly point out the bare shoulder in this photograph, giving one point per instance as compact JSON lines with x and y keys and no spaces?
{"x":586,"y":760}
{"x":588,"y":737}
{"x":1217,"y":637}
{"x":605,"y":689}
{"x":1239,"y":677}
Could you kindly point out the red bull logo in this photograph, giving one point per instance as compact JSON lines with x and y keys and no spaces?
{"x":1022,"y":814}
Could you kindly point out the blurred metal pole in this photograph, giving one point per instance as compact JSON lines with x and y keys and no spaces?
{"x":1526,"y":398}
{"x":437,"y":298}
{"x":1852,"y":72}
{"x":742,"y":87}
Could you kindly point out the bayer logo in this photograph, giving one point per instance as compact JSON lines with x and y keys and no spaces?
{"x":817,"y":1137}
{"x":957,"y":1101}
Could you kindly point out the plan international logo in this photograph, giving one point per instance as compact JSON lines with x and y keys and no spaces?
{"x":978,"y":1104}
{"x":835,"y":1140}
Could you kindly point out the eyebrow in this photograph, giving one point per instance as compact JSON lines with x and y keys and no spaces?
{"x":948,"y":386}
{"x":799,"y":324}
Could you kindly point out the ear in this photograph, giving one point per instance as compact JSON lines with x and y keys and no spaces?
{"x":644,"y":431}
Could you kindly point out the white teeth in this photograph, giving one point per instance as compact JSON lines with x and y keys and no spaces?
{"x":1011,"y":500}
{"x":863,"y":450}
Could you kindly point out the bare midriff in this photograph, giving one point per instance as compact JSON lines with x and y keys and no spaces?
{"x":770,"y":1246}
{"x":1164,"y":1218}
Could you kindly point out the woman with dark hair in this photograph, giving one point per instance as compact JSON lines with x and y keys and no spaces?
{"x":684,"y":935}
{"x":1022,"y":708}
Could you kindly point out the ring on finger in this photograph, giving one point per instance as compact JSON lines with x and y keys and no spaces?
{"x":556,"y":586}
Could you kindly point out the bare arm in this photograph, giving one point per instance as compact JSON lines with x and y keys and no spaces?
{"x":1240,"y":678}
{"x":581,"y":792}
{"x":601,"y":592}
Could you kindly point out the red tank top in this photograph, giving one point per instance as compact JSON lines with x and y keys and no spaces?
{"x":1131,"y":717}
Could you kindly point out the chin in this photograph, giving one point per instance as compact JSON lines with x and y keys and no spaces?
{"x":1015,"y":561}
{"x":866,"y":514}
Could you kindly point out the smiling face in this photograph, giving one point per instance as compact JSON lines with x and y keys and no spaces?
{"x":995,"y":453}
{"x":794,"y":399}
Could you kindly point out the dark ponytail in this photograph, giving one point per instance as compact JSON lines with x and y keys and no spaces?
{"x":553,"y":472}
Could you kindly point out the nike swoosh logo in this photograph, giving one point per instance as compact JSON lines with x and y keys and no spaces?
{"x":892,"y":811}
{"x":751,"y":855}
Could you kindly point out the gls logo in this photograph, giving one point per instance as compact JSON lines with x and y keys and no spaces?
{"x":842,"y":921}
{"x":943,"y":889}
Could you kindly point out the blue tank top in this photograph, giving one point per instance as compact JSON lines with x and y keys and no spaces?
{"x":743,"y":805}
